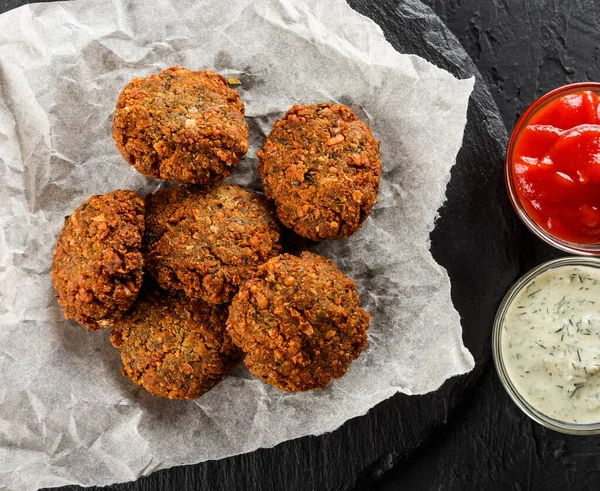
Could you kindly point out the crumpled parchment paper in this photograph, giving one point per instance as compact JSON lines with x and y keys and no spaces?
{"x":67,"y":415}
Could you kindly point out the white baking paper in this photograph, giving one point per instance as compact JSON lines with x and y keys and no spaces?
{"x":67,"y":415}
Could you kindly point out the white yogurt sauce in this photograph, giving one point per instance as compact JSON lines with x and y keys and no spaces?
{"x":551,"y":343}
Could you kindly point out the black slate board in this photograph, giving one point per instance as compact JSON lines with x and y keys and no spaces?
{"x":475,"y":239}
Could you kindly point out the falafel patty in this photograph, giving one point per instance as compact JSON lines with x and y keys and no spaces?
{"x":208,"y":242}
{"x":174,"y":346}
{"x":97,"y":263}
{"x":320,"y":165}
{"x":299,"y":322}
{"x":181,"y":125}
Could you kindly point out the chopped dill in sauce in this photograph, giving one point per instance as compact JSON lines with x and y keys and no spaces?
{"x":551,"y":343}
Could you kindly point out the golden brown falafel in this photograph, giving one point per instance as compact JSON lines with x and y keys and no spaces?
{"x":208,"y":242}
{"x":174,"y":346}
{"x":299,"y":322}
{"x":320,"y":165}
{"x":181,"y":125}
{"x":97,"y":263}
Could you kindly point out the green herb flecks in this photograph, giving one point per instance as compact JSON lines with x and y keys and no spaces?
{"x":577,"y":387}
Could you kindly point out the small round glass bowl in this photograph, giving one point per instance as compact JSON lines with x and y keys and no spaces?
{"x":573,"y":248}
{"x":513,"y":392}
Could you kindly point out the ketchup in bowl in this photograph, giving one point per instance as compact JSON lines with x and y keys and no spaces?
{"x":553,"y":168}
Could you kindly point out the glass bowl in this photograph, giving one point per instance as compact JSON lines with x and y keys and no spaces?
{"x":571,"y":247}
{"x":513,"y":392}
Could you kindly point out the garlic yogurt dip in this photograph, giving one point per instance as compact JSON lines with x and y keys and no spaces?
{"x":550,"y":343}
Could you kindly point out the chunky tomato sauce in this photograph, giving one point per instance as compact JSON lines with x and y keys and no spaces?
{"x":556,"y":167}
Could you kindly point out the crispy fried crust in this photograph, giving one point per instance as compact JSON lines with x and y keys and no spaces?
{"x":320,"y":165}
{"x":299,"y":322}
{"x":174,"y":346}
{"x":208,"y":242}
{"x":181,"y":125}
{"x":97,"y":263}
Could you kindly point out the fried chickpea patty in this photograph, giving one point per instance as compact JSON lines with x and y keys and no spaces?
{"x":181,"y":125}
{"x":208,"y":242}
{"x":320,"y":165}
{"x":174,"y":346}
{"x":97,"y":263}
{"x":299,"y":322}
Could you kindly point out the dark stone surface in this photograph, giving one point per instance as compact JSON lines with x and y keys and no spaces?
{"x":522,"y":49}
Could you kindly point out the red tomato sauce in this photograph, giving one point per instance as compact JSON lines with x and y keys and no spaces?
{"x":556,"y":167}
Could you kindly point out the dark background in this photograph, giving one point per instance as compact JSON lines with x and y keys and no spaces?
{"x":522,"y":49}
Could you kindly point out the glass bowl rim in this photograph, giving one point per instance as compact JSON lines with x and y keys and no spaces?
{"x":517,"y":398}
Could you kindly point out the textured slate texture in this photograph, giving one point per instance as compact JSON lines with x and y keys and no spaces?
{"x":522,"y":49}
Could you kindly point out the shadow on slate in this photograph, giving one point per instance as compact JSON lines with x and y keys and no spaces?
{"x":475,"y":239}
